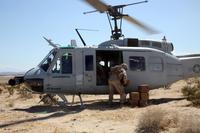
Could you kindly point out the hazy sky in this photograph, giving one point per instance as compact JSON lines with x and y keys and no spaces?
{"x":24,"y":22}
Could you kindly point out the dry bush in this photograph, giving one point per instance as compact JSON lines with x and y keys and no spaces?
{"x":192,"y":92}
{"x":189,"y":124}
{"x":10,"y":90}
{"x":2,"y":88}
{"x":156,"y":120}
{"x":170,"y":120}
{"x":24,"y":92}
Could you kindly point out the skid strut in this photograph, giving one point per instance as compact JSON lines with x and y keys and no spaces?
{"x":81,"y":101}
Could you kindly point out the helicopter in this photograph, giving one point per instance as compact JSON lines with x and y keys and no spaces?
{"x":73,"y":70}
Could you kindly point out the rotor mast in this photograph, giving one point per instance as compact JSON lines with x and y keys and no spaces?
{"x":115,"y":14}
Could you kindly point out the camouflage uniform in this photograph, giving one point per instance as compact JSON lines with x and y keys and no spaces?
{"x":117,"y":80}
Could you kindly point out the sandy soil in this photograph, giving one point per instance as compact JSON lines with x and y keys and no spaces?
{"x":20,"y":115}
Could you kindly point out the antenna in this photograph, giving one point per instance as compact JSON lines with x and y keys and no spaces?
{"x":51,"y":43}
{"x":81,"y":36}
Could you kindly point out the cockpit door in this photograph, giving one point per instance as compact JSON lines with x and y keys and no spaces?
{"x":61,"y":77}
{"x":89,"y":75}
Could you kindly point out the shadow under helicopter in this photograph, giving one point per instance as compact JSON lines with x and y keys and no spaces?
{"x":60,"y":111}
{"x":100,"y":104}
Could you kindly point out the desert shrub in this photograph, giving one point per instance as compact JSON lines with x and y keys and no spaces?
{"x":156,"y":120}
{"x":2,"y":88}
{"x":24,"y":92}
{"x":21,"y":89}
{"x":189,"y":124}
{"x":10,"y":90}
{"x":192,"y":92}
{"x":150,"y":121}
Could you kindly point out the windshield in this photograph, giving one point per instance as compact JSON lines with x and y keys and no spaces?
{"x":47,"y":60}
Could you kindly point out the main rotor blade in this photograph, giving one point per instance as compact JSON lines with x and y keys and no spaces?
{"x":97,"y":4}
{"x":90,"y":11}
{"x":141,"y":25}
{"x":140,"y":2}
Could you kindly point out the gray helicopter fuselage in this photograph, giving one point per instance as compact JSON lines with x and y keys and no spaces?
{"x":86,"y":70}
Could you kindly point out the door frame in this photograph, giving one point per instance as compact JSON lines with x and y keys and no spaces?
{"x":64,"y":83}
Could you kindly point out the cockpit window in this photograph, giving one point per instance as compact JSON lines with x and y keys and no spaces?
{"x":63,"y":64}
{"x":66,"y":63}
{"x":56,"y":67}
{"x":47,"y":62}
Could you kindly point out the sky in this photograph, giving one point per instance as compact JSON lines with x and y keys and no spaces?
{"x":23,"y":23}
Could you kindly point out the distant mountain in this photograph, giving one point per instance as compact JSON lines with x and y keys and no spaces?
{"x":7,"y":71}
{"x":11,"y":73}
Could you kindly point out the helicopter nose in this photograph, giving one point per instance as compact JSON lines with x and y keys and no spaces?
{"x":34,"y":84}
{"x":33,"y":80}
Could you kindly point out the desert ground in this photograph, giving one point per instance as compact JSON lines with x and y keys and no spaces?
{"x":27,"y":115}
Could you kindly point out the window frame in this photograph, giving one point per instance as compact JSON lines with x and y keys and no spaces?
{"x":71,"y":65}
{"x":135,"y":67}
{"x":90,"y":66}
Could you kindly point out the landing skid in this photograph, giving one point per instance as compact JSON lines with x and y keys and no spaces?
{"x":66,"y":101}
{"x":51,"y":100}
{"x":63,"y":98}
